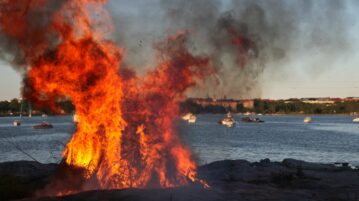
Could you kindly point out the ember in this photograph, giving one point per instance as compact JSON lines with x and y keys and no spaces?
{"x":125,"y":134}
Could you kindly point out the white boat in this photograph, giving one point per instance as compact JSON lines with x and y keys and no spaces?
{"x":16,"y":123}
{"x":356,"y":119}
{"x":227,"y":121}
{"x":190,"y":118}
{"x":307,"y":120}
{"x":76,"y":118}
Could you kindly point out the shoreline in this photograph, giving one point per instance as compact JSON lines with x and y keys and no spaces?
{"x":289,"y":179}
{"x":242,"y":114}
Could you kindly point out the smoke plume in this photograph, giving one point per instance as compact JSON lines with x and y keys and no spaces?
{"x":245,"y":39}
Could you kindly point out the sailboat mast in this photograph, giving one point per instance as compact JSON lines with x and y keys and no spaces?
{"x":30,"y":110}
{"x":21,"y":108}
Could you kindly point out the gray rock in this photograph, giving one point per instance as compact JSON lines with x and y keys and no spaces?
{"x":291,"y":179}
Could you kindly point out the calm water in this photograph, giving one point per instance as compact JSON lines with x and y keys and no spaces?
{"x":328,"y":139}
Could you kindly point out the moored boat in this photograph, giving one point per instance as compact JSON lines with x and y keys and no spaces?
{"x":16,"y":123}
{"x":252,"y":120}
{"x":356,"y":119}
{"x":307,"y":120}
{"x":190,"y":118}
{"x":43,"y":125}
{"x":228,"y":121}
{"x":75,"y":118}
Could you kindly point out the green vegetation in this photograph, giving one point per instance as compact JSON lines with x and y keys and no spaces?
{"x":291,"y":106}
{"x":8,"y":108}
{"x":299,"y":107}
{"x":294,"y":106}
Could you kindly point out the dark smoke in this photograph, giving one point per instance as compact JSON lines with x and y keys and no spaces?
{"x":30,"y":31}
{"x":246,"y":39}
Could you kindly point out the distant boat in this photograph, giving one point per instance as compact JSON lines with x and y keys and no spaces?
{"x":22,"y":108}
{"x":44,"y":115}
{"x":228,"y":121}
{"x":16,"y":123}
{"x":75,"y":118}
{"x":43,"y":125}
{"x":356,"y":119}
{"x":190,"y":118}
{"x":30,"y":110}
{"x":252,"y":120}
{"x":307,"y":120}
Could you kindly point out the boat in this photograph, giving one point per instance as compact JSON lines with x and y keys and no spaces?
{"x":307,"y":120}
{"x":23,"y":102}
{"x":30,"y":110}
{"x":228,"y":121}
{"x":16,"y":123}
{"x":44,"y":115}
{"x":252,"y":120}
{"x":356,"y":119}
{"x":190,"y":118}
{"x":43,"y":125}
{"x":75,"y":118}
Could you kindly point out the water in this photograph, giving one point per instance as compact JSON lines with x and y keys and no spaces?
{"x":328,"y":139}
{"x":45,"y":145}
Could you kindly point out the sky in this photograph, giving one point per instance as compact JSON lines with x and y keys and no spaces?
{"x":328,"y":68}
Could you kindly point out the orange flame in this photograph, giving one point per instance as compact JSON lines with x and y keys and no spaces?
{"x":125,"y":135}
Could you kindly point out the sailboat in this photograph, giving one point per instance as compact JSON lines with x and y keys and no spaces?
{"x":30,"y":110}
{"x":18,"y":122}
{"x":22,"y":108}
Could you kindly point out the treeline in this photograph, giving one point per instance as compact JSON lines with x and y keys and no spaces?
{"x":13,"y":107}
{"x":190,"y":105}
{"x":275,"y":107}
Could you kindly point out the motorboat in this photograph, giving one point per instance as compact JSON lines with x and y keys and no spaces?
{"x":228,"y":121}
{"x":307,"y":120}
{"x":190,"y":118}
{"x":252,"y":120}
{"x":16,"y":123}
{"x":75,"y":118}
{"x":43,"y":125}
{"x":356,"y":119}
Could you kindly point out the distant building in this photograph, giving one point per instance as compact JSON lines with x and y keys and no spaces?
{"x":248,"y":104}
{"x":351,"y":99}
{"x":318,"y":100}
{"x":232,"y":104}
{"x":226,"y":103}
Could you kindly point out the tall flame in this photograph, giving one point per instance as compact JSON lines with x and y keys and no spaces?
{"x":125,"y":136}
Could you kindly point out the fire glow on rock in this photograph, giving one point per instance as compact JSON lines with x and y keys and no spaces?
{"x":125,"y":136}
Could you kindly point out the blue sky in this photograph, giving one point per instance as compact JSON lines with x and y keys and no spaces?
{"x":309,"y":72}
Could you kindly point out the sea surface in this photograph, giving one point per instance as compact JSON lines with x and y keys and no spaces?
{"x":328,"y":139}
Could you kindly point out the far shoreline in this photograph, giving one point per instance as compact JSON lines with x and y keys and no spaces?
{"x":241,"y":114}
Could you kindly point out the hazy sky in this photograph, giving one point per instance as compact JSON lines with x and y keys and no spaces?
{"x":305,"y":72}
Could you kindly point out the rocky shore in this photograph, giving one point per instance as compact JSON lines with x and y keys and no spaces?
{"x":290,"y":179}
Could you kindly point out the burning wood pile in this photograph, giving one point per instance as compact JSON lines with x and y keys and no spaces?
{"x":125,"y":136}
